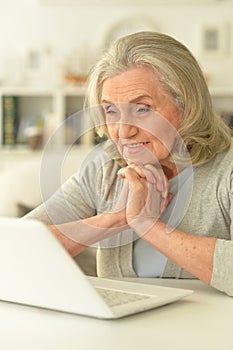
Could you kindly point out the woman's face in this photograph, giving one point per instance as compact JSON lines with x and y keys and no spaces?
{"x":140,"y":118}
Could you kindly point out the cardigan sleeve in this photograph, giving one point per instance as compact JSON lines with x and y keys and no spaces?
{"x":74,"y":200}
{"x":222,"y":277}
{"x":85,"y":194}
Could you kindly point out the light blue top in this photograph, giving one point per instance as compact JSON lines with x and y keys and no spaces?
{"x":147,"y":261}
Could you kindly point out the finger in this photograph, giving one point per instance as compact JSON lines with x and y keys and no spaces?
{"x":144,"y":173}
{"x":140,"y":171}
{"x":121,"y":173}
{"x":131,"y":175}
{"x":161,"y":179}
{"x":165,"y":202}
{"x":123,"y":197}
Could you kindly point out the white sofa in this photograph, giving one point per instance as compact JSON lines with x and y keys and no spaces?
{"x":20,"y":178}
{"x":20,"y":189}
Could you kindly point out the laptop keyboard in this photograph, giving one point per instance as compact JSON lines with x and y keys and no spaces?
{"x":115,"y":298}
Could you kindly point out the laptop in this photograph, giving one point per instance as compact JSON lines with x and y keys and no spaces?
{"x":36,"y":270}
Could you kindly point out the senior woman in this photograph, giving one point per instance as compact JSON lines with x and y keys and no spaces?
{"x":155,"y":79}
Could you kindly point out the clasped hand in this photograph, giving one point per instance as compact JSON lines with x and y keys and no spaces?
{"x":145,"y":195}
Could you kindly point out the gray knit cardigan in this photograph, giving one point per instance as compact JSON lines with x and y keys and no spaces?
{"x":94,"y":189}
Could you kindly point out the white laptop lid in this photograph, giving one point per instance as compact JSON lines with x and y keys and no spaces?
{"x":36,"y":270}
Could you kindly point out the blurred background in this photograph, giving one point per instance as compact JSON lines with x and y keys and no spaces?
{"x":49,"y":41}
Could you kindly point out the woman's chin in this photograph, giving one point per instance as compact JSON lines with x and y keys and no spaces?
{"x":140,"y":158}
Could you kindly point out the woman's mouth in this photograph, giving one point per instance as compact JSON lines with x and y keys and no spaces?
{"x":135,"y":147}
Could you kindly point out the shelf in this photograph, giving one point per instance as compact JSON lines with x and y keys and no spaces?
{"x":34,"y":102}
{"x":56,"y":104}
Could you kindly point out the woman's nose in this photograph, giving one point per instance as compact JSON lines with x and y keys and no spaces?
{"x":127,"y":130}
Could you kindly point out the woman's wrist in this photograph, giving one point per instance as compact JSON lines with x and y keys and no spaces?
{"x":72,"y":248}
{"x":157,"y":226}
{"x":143,"y":225}
{"x":114,"y":219}
{"x":78,"y":235}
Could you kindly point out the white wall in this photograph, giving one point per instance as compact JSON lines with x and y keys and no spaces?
{"x":29,"y":25}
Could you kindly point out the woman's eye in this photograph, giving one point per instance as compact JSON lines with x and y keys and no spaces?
{"x":143,"y":109}
{"x":111,"y":113}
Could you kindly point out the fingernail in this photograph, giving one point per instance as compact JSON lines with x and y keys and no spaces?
{"x":120,"y":173}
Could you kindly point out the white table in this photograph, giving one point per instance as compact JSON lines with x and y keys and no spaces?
{"x":203,"y":320}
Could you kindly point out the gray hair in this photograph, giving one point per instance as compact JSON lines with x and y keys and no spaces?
{"x":204,"y":133}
